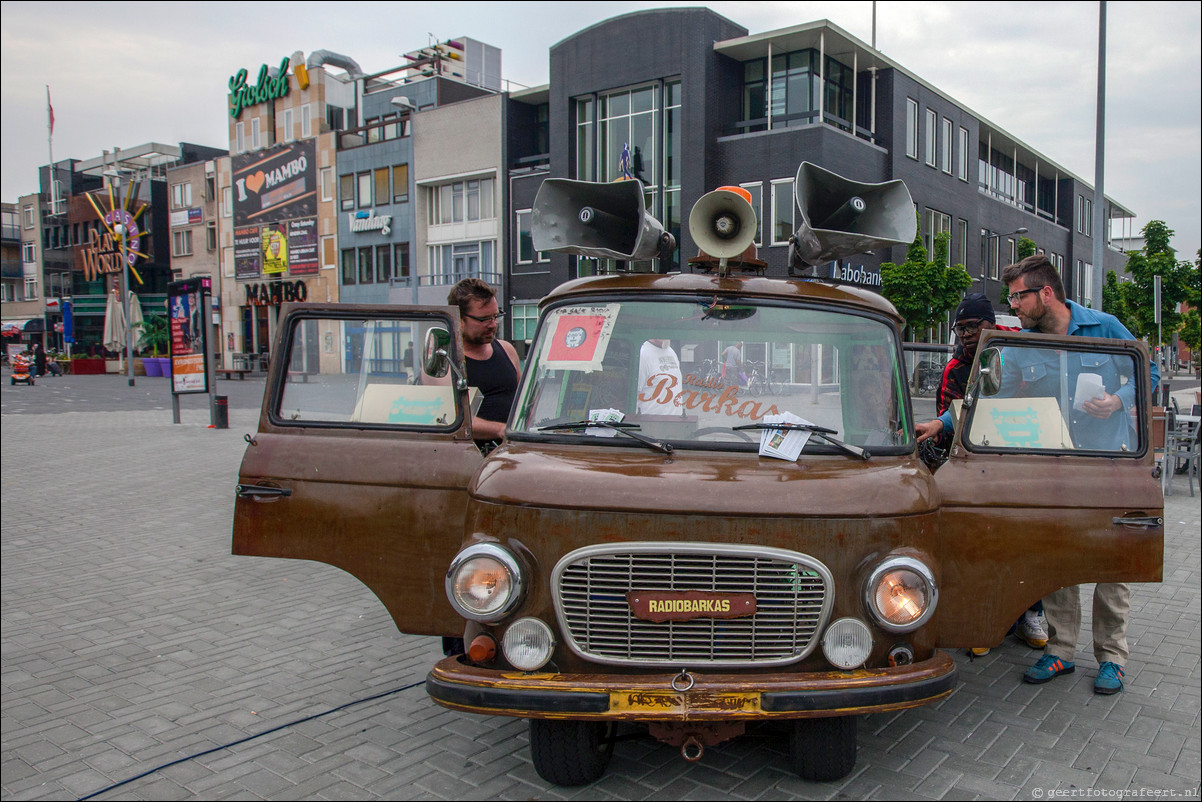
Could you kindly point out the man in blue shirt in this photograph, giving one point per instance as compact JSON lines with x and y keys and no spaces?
{"x":1101,"y":422}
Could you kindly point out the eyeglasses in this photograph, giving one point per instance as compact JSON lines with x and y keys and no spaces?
{"x":1018,"y":294}
{"x":965,"y":329}
{"x":485,"y":318}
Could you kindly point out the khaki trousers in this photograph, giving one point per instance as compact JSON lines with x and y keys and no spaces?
{"x":1111,"y":609}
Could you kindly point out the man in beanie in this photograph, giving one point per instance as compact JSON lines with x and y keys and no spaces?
{"x":974,"y":314}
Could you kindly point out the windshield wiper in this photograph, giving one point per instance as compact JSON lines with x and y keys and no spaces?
{"x":622,"y":428}
{"x":821,"y":431}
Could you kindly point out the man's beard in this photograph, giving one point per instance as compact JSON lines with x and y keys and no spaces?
{"x":483,"y":339}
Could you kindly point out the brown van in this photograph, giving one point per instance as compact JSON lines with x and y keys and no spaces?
{"x":689,"y":542}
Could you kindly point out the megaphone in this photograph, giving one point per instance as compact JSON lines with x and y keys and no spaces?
{"x":722,"y":223}
{"x":598,"y":220}
{"x":841,"y":217}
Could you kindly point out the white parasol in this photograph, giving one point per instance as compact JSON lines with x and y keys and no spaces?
{"x":114,"y":323}
{"x":135,"y":320}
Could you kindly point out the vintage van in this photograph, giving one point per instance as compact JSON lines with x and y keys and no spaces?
{"x":668,"y":547}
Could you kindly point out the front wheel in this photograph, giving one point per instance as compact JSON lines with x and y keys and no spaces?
{"x":570,"y":752}
{"x":823,"y":749}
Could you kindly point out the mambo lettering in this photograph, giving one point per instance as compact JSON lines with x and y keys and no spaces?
{"x":275,"y":294}
{"x":657,"y":606}
{"x":268,"y":88}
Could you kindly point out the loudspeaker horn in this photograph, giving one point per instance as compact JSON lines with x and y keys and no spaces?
{"x":722,"y":223}
{"x":841,"y":217}
{"x":598,"y":220}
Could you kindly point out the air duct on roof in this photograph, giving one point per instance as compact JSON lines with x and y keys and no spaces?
{"x":320,"y":57}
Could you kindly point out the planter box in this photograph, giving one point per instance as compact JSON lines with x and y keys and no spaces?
{"x":86,"y":367}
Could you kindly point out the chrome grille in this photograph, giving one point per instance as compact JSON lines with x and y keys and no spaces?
{"x":792,"y":592}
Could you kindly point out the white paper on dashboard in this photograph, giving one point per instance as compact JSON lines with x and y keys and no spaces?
{"x":783,"y":443}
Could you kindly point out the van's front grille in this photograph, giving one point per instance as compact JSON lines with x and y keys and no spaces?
{"x":792,"y":592}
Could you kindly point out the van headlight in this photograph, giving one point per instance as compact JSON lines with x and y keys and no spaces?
{"x":484,"y":583}
{"x":901,"y":594}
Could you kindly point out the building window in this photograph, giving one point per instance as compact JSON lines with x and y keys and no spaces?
{"x":256,"y":134}
{"x":383,"y":189}
{"x":522,"y":320}
{"x":8,"y":291}
{"x":963,"y":154}
{"x":327,"y":183}
{"x":930,"y":135}
{"x":31,"y":288}
{"x":912,"y":128}
{"x":181,"y":243}
{"x":586,"y":157}
{"x":346,"y":192}
{"x":962,"y":235}
{"x":348,"y":267}
{"x":365,"y":184}
{"x":227,"y":201}
{"x":383,"y":264}
{"x":946,"y":162}
{"x":181,"y":196}
{"x":211,"y":236}
{"x":227,"y":261}
{"x":400,"y":253}
{"x":329,"y":253}
{"x":782,"y":211}
{"x":240,"y":137}
{"x":400,"y":183}
{"x":462,"y":200}
{"x":936,"y":223}
{"x":628,"y":128}
{"x":29,"y":252}
{"x":525,"y":238}
{"x":757,"y":203}
{"x":287,"y":126}
{"x":306,"y":121}
{"x":366,"y":272}
{"x":453,"y":262}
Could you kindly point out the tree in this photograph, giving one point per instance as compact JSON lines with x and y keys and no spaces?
{"x":924,"y":292}
{"x":1178,"y":283}
{"x":1115,"y":300}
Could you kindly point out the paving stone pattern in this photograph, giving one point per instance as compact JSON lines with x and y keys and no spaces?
{"x":133,"y":639}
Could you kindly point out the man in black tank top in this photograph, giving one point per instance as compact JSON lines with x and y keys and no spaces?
{"x":492,"y":364}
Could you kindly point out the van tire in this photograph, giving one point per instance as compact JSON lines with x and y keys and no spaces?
{"x":570,"y":753}
{"x":823,"y":749}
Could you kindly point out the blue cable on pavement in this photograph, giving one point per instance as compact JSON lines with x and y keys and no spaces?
{"x":250,"y":738}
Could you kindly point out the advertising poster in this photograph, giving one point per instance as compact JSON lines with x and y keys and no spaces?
{"x":247,"y":257}
{"x":581,"y":336}
{"x":276,"y":184}
{"x":274,"y":239}
{"x":185,"y":319}
{"x":302,"y":246}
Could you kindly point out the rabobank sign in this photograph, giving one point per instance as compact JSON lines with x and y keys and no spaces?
{"x":855,"y":274}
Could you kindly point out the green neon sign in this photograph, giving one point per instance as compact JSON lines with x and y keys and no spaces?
{"x":267,"y":89}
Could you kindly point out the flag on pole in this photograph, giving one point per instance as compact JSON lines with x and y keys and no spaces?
{"x":50,"y":110}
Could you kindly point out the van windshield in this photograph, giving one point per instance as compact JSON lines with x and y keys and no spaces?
{"x":688,"y":372}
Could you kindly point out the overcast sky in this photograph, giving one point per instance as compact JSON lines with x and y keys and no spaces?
{"x":123,"y":75}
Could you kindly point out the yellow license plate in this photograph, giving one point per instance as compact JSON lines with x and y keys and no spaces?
{"x":670,"y":702}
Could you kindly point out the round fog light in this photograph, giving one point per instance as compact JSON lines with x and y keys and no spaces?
{"x":527,"y":644}
{"x":847,"y":643}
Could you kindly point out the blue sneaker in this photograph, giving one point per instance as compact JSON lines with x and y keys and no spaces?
{"x":1110,"y":678}
{"x":1049,"y":667}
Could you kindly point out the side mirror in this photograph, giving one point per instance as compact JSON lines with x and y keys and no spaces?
{"x":989,"y":376}
{"x":435,"y":359}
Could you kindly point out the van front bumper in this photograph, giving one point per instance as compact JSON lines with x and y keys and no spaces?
{"x":689,"y":696}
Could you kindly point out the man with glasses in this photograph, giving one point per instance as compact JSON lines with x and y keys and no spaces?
{"x":1037,"y":297}
{"x":974,"y":315}
{"x":492,"y":364}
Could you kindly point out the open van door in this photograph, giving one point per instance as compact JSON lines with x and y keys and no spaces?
{"x":1040,"y":494}
{"x":358,"y":464}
